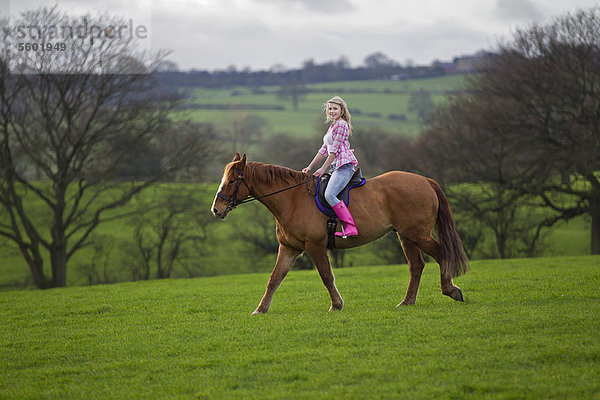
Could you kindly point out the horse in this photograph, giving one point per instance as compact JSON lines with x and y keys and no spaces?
{"x":409,"y":204}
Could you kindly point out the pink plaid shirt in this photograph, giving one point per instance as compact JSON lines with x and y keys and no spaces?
{"x":339,"y":145}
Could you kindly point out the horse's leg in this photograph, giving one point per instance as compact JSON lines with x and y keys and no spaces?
{"x":285,"y":258}
{"x":415,"y":267}
{"x":430,"y":246}
{"x":318,"y":253}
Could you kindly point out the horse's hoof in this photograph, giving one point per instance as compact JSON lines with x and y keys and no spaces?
{"x":405,"y":303}
{"x":458,"y":296}
{"x":257,"y":312}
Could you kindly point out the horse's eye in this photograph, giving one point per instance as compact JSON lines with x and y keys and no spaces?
{"x":231,"y":181}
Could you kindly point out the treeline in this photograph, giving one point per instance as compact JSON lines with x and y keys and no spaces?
{"x":376,"y":66}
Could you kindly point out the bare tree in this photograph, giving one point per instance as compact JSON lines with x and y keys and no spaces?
{"x":289,"y":151}
{"x":421,"y":102}
{"x":465,"y":143}
{"x":379,"y":60}
{"x":294,"y":91}
{"x":71,"y":119}
{"x":96,"y":268}
{"x":388,"y":250}
{"x":510,"y":216}
{"x":170,"y":234}
{"x":547,"y":78}
{"x":244,"y":130}
{"x":256,"y":234}
{"x":380,"y":151}
{"x":529,"y":130}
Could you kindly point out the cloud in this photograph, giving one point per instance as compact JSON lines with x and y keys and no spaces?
{"x":517,"y":10}
{"x":213,"y":34}
{"x":318,"y":6}
{"x":204,"y":40}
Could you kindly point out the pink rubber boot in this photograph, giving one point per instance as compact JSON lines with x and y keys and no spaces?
{"x":348,"y":227}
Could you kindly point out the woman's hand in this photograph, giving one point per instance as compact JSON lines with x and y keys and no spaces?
{"x":306,"y":170}
{"x":320,"y":172}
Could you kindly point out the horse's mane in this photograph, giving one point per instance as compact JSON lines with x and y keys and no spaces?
{"x":270,"y":173}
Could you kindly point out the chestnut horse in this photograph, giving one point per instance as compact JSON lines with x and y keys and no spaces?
{"x":407,"y":203}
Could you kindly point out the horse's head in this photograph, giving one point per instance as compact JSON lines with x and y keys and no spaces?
{"x":233,"y":187}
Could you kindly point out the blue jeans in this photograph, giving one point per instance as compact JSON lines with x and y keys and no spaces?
{"x":338,"y":181}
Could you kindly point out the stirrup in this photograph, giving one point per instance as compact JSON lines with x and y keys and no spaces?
{"x":344,"y":236}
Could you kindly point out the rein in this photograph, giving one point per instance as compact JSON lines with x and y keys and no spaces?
{"x":233,"y":203}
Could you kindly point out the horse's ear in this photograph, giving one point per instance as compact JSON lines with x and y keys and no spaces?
{"x":236,"y":157}
{"x":243,"y":161}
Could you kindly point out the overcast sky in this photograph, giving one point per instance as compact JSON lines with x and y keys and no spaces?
{"x":215,"y":34}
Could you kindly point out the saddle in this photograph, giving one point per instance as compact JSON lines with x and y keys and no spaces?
{"x":356,"y":181}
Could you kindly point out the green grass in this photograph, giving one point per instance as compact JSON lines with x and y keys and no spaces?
{"x":528,"y":329}
{"x":383,"y":97}
{"x":568,"y":236}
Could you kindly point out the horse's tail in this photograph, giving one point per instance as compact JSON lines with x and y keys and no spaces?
{"x":452,"y":258}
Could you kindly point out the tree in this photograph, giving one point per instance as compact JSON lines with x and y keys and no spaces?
{"x":293,"y":91}
{"x":170,"y":233}
{"x":508,"y":215}
{"x":464,"y":145}
{"x":379,"y":66}
{"x":379,"y":60}
{"x":548,"y":77}
{"x":343,"y":63}
{"x":420,"y":102}
{"x":256,"y":235}
{"x":380,"y":151}
{"x":538,"y":102}
{"x":71,"y":118}
{"x":290,"y":151}
{"x":243,"y":130}
{"x":96,"y":268}
{"x":388,"y":250}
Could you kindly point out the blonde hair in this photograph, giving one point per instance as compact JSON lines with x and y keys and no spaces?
{"x":345,"y":112}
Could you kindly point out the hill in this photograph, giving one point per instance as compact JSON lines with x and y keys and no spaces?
{"x":528,"y":329}
{"x":377,"y":102}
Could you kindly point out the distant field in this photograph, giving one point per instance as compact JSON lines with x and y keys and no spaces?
{"x":367,"y":97}
{"x":529,"y":329}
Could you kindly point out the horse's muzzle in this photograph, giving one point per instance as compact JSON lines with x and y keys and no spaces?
{"x":220,"y":215}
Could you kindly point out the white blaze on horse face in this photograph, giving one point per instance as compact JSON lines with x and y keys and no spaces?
{"x":217,"y":195}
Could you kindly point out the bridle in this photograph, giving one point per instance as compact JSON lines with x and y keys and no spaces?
{"x":233,"y":202}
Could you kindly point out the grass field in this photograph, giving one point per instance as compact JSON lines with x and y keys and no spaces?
{"x":376,"y":101}
{"x":529,"y":329}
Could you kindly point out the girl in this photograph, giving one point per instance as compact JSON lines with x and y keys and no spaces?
{"x":337,"y":154}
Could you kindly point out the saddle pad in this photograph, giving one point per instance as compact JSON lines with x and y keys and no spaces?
{"x":356,"y":181}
